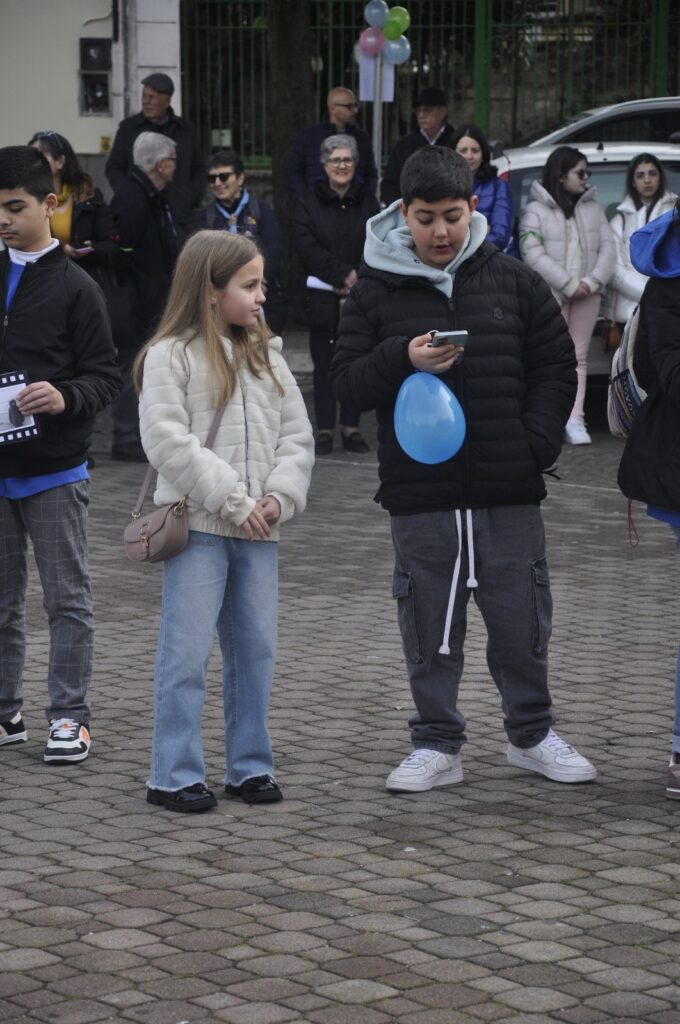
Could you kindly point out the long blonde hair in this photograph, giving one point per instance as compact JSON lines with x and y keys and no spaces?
{"x":207,"y":262}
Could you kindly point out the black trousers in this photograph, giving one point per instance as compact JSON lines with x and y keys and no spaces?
{"x":321,"y":346}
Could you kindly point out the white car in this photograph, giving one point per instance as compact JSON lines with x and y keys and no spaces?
{"x":608,"y":164}
{"x":652,"y":120}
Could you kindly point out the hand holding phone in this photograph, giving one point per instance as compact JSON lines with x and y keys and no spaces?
{"x":438,"y":338}
{"x":84,"y":250}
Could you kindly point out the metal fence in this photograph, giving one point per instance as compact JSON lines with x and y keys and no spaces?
{"x":513,"y":67}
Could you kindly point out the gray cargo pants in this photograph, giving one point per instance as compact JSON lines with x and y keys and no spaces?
{"x":513,"y":596}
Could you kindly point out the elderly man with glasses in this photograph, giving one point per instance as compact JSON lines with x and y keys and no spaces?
{"x":432,"y":129}
{"x":304,"y":166}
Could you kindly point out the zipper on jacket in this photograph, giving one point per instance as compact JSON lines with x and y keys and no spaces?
{"x":5,"y":311}
{"x":460,"y":387}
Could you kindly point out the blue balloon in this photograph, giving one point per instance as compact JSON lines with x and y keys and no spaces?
{"x":396,"y":51}
{"x":376,"y":12}
{"x":428,"y":419}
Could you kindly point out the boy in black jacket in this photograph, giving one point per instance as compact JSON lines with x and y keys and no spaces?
{"x":472,"y":523}
{"x":55,"y":331}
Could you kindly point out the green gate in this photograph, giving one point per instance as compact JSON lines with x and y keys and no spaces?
{"x":512,"y":67}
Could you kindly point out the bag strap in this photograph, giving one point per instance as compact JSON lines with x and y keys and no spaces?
{"x":146,"y":483}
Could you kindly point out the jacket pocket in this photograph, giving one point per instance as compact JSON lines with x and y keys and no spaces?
{"x":402,"y":592}
{"x":541,"y":600}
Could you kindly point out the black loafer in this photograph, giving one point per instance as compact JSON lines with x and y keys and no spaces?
{"x":324,"y":443}
{"x":191,"y":799}
{"x":261,"y":789}
{"x":354,"y":442}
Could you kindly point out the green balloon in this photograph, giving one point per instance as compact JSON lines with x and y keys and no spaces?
{"x":398,"y":20}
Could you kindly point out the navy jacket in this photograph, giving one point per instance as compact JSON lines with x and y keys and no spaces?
{"x":495,"y":202}
{"x":304,"y":166}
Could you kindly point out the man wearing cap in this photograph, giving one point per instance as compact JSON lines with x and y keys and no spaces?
{"x":304,"y":163}
{"x":433,"y":130}
{"x":185,"y":193}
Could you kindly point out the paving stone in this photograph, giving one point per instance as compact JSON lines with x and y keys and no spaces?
{"x":506,"y":899}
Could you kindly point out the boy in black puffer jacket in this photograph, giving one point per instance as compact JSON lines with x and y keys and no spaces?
{"x":428,"y":267}
{"x":55,"y":331}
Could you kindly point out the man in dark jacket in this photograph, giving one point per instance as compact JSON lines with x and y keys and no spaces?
{"x":57,"y":371}
{"x":149,"y":246}
{"x":434,"y":271}
{"x":304,"y":165}
{"x":185,"y":194}
{"x":432,"y":130}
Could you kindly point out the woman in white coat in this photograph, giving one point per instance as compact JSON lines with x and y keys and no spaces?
{"x":646,"y":198}
{"x":565,"y":237}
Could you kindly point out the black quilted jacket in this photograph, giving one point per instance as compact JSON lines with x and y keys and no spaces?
{"x":516,"y":383}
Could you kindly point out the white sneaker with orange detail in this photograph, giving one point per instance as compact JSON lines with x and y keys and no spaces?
{"x":68,"y":741}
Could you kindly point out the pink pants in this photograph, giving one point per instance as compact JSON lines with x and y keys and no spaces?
{"x":581,"y":315}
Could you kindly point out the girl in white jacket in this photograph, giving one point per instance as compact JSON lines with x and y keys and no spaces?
{"x":564,"y":235}
{"x":212,"y":345}
{"x":646,"y":198}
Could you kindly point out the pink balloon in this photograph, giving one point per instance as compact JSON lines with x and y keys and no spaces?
{"x":371,"y":41}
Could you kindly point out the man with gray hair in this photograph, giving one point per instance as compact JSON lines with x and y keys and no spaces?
{"x":185,"y":192}
{"x":149,"y":245}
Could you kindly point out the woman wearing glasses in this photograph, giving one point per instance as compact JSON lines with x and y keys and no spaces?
{"x":82,"y":221}
{"x":238,"y":210}
{"x":330,"y":224}
{"x":564,"y":235}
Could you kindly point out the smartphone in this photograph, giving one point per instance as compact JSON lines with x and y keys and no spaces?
{"x":84,"y":251}
{"x":438,"y":338}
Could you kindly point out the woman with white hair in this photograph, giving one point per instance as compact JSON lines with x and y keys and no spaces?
{"x":330,"y":223}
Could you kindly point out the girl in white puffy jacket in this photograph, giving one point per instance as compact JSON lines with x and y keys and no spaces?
{"x":646,"y":198}
{"x":565,"y":237}
{"x":212,"y":345}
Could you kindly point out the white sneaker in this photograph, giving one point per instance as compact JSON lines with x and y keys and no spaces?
{"x":425,"y":769}
{"x":553,"y":758}
{"x":575,"y":432}
{"x":68,"y":741}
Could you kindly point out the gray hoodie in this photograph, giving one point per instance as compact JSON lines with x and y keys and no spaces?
{"x":389,"y":246}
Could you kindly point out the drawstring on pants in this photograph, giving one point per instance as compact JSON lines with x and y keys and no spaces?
{"x":471,"y":580}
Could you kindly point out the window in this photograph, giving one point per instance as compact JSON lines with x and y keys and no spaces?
{"x":647,"y":126}
{"x":95,"y":77}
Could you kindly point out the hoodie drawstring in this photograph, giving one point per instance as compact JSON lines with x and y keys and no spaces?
{"x":471,"y":580}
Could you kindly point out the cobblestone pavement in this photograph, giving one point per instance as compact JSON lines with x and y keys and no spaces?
{"x":507,"y":898}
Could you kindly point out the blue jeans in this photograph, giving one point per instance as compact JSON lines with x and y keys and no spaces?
{"x":676,"y":724}
{"x":228,"y":585}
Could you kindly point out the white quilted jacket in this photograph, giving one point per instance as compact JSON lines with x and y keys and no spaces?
{"x":264,"y":444}
{"x":627,"y":284}
{"x":543,"y":241}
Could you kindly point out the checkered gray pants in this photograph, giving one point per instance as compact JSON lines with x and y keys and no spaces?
{"x":56,"y":522}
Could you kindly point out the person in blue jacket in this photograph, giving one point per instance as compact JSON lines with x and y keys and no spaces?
{"x":650,"y":465}
{"x":494,"y":198}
